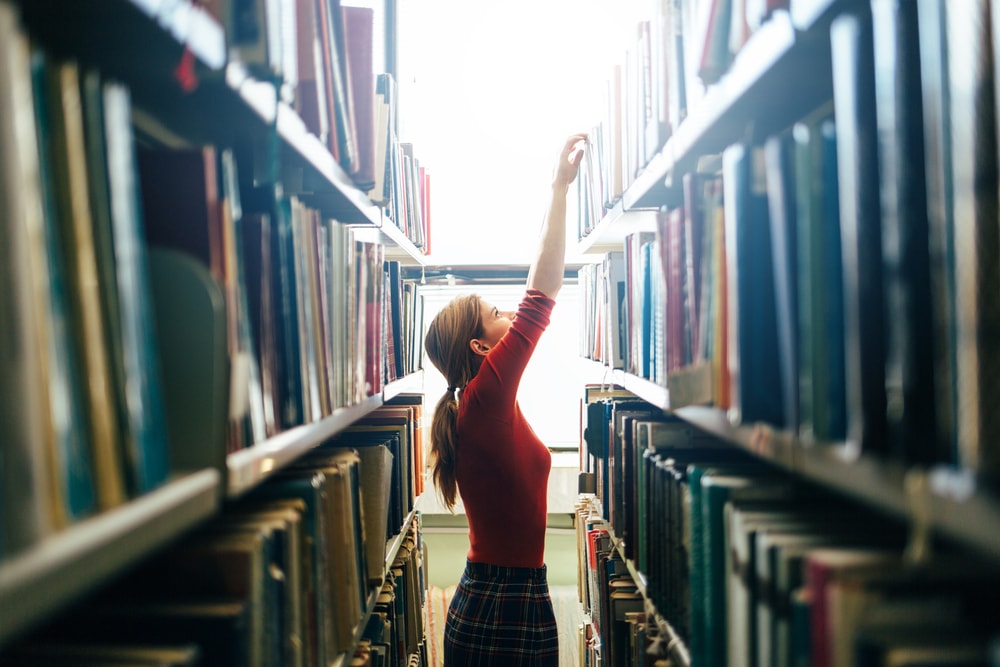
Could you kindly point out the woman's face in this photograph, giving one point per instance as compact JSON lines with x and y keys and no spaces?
{"x":495,"y":323}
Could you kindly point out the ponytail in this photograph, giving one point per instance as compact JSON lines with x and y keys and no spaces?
{"x":447,"y":345}
{"x":444,"y":436}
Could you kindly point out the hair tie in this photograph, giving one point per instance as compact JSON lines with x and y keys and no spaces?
{"x":453,"y":389}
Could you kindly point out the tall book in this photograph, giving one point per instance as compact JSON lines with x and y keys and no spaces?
{"x":359,"y":49}
{"x":311,"y":91}
{"x":67,"y":446}
{"x":95,"y":292}
{"x":819,"y":282}
{"x":860,"y":228}
{"x":140,"y":393}
{"x":754,"y":379}
{"x":973,"y":135}
{"x":936,"y":108}
{"x":25,"y":511}
{"x":343,"y":135}
{"x":780,"y":183}
{"x":909,"y":363}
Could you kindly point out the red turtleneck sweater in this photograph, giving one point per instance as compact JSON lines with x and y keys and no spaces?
{"x":503,"y":467}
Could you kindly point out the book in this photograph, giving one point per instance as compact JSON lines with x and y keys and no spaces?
{"x":779,"y":177}
{"x":146,"y":438}
{"x":973,"y":161}
{"x":191,"y":333}
{"x":934,"y":84}
{"x":289,"y":567}
{"x":376,"y":489}
{"x":255,"y":426}
{"x":259,"y":264}
{"x":344,"y":143}
{"x":716,"y":490}
{"x":347,"y":575}
{"x":415,"y":403}
{"x":860,"y":228}
{"x":819,"y":280}
{"x":755,"y":382}
{"x":310,"y":91}
{"x":309,"y":486}
{"x":26,"y":515}
{"x":359,"y":47}
{"x":284,"y":288}
{"x":98,"y":336}
{"x":66,"y":446}
{"x":909,"y":362}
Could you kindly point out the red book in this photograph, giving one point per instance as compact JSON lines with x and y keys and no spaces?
{"x":358,"y":36}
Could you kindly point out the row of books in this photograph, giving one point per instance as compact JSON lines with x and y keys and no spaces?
{"x":678,"y":53}
{"x":294,"y":573}
{"x":323,"y":54}
{"x":624,"y":315}
{"x":83,"y":426}
{"x":320,"y":55}
{"x":832,"y":277}
{"x":616,"y":629}
{"x":750,"y":566}
{"x":90,"y":210}
{"x":395,"y":635}
{"x":309,"y":304}
{"x":857,"y":248}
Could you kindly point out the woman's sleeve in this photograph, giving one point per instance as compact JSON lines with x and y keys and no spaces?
{"x":504,"y":365}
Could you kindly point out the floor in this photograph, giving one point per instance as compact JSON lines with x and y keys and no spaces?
{"x":445,"y":545}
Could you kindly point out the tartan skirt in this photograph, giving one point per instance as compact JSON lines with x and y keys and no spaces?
{"x":500,"y":617}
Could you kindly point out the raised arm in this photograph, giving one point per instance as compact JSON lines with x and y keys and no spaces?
{"x":546,"y":272}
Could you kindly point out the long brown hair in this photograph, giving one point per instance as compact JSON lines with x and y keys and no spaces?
{"x":447,"y":345}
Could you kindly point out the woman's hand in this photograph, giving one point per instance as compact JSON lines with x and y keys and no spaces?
{"x":569,"y":160}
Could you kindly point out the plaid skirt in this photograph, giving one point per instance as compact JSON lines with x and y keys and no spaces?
{"x":501,"y":616}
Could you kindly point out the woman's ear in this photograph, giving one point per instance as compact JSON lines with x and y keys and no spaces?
{"x":479,"y":347}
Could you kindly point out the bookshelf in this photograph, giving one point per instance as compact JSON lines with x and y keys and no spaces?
{"x":186,"y":89}
{"x":783,"y":76}
{"x":64,"y":567}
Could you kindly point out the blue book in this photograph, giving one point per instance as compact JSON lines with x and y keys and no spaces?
{"x":756,"y":388}
{"x":73,"y":460}
{"x":147,"y":440}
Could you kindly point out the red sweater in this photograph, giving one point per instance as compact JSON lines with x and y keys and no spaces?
{"x":503,"y":467}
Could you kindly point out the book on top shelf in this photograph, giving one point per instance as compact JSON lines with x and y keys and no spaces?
{"x":311,"y":90}
{"x":338,"y":76}
{"x":359,"y":49}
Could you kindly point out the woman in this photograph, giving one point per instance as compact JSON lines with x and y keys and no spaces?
{"x":484,"y":450}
